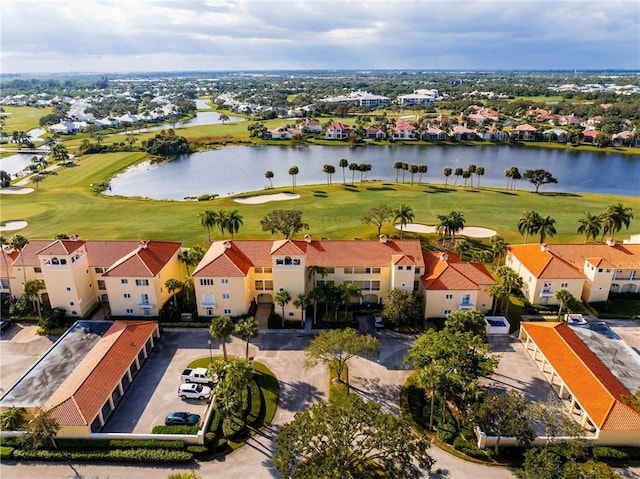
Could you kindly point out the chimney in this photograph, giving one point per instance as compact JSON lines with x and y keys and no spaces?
{"x":74,"y":237}
{"x":611,"y":242}
{"x":307,"y":238}
{"x":444,"y":257}
{"x":227,"y":244}
{"x":544,"y":247}
{"x":383,"y":239}
{"x":143,"y":244}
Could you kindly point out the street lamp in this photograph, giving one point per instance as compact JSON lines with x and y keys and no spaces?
{"x":210,"y":353}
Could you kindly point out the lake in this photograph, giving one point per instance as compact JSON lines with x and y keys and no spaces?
{"x":238,"y":169}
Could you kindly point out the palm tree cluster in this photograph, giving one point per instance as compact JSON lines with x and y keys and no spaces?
{"x":609,"y":222}
{"x":532,"y":222}
{"x":449,"y":225}
{"x":512,"y":175}
{"x":224,"y":220}
{"x":411,"y":168}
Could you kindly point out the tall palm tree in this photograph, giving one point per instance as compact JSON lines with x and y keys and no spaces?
{"x":471,"y":169}
{"x":221,"y":328}
{"x":456,"y":222}
{"x":405,"y":214}
{"x":614,"y":217}
{"x":529,"y":223}
{"x":293,"y":171}
{"x":269,"y":175}
{"x":329,"y":170}
{"x":479,"y":173}
{"x":302,"y":301}
{"x":173,"y":285}
{"x":247,"y":329}
{"x":466,"y":174}
{"x":405,"y":167}
{"x":590,"y":226}
{"x":32,"y":290}
{"x":282,"y":297}
{"x":498,"y":248}
{"x":447,"y":173}
{"x":233,"y":221}
{"x":422,"y":170}
{"x":208,"y":219}
{"x":546,"y":227}
{"x":348,"y":290}
{"x":458,"y":172}
{"x":413,"y":169}
{"x":18,"y":242}
{"x":397,"y":165}
{"x":343,"y":163}
{"x":353,"y":167}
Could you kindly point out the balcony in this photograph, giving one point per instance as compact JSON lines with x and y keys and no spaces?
{"x":546,"y":292}
{"x":145,"y":305}
{"x":465,"y":304}
{"x":207,"y":304}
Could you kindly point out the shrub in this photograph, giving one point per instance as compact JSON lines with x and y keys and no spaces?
{"x":6,"y":452}
{"x":602,"y":453}
{"x":116,"y":455}
{"x":93,"y":444}
{"x":256,"y":404}
{"x":468,"y":448}
{"x":447,"y":431}
{"x":193,"y":430}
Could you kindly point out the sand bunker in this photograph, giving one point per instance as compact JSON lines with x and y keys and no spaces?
{"x":12,"y":190}
{"x":471,"y":231}
{"x":13,"y":225}
{"x":256,"y":200}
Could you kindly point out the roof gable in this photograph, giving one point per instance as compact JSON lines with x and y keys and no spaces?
{"x":147,"y":260}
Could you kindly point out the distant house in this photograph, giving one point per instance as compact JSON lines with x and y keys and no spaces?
{"x":404,"y":130}
{"x":524,"y":132}
{"x":433,"y":133}
{"x":68,"y":127}
{"x":589,"y":136}
{"x":461,"y":133}
{"x":337,"y":131}
{"x":555,"y":134}
{"x":493,"y":134}
{"x":624,"y":138}
{"x":282,"y":133}
{"x":374,"y":133}
{"x":313,"y":126}
{"x":416,"y":99}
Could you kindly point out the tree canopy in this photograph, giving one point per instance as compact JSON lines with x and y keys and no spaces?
{"x":378,"y":216}
{"x":402,"y":308}
{"x":349,"y":439}
{"x":286,"y":222}
{"x":538,"y":177}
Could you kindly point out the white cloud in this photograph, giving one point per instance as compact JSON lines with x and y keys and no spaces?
{"x":136,"y":35}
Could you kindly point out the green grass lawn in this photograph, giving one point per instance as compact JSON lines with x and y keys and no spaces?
{"x":65,"y":203}
{"x":23,"y":118}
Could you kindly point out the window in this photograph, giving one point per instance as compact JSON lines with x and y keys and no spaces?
{"x":124,"y":281}
{"x":37,"y":270}
{"x":71,"y":303}
{"x":400,"y":268}
{"x":599,"y":270}
{"x":417,"y":270}
{"x":267,"y":270}
{"x":264,"y":285}
{"x":224,"y":281}
{"x":209,"y":312}
{"x":227,"y":312}
{"x":68,"y":288}
{"x":142,"y":282}
{"x":129,"y":311}
{"x":408,"y":268}
{"x":147,"y":312}
{"x":63,"y":261}
{"x":127,"y":296}
{"x":99,"y":270}
{"x":564,"y":285}
{"x":447,"y":312}
{"x":448,"y":297}
{"x":101,"y":284}
{"x":258,"y":270}
{"x":226,"y":296}
{"x":206,"y":282}
{"x":144,"y":298}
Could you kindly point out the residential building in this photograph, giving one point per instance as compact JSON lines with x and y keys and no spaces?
{"x":450,"y":284}
{"x":415,"y":98}
{"x":524,"y":132}
{"x":461,"y":132}
{"x":404,"y":130}
{"x":587,"y":271}
{"x":433,"y":133}
{"x":337,"y":131}
{"x":311,"y":125}
{"x":493,"y":134}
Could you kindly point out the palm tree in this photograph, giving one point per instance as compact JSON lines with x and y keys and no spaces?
{"x":471,"y":169}
{"x":173,"y":285}
{"x":221,"y":327}
{"x":353,"y":167}
{"x":3,"y":242}
{"x":422,"y":169}
{"x":405,"y":167}
{"x":466,"y":174}
{"x":413,"y":169}
{"x":456,"y":222}
{"x":208,"y":219}
{"x":18,"y":242}
{"x":498,"y":248}
{"x":479,"y":173}
{"x":5,"y":179}
{"x":312,"y":272}
{"x":233,"y":221}
{"x":59,"y":153}
{"x":405,"y":215}
{"x":302,"y":301}
{"x":546,"y":227}
{"x":347,"y":291}
{"x":315,"y":295}
{"x":458,"y":172}
{"x":565,"y":298}
{"x":508,"y":175}
{"x":447,"y":173}
{"x":329,"y":170}
{"x":282,"y":297}
{"x":32,"y":289}
{"x":191,"y":257}
{"x":343,"y":163}
{"x":529,"y":223}
{"x":614,"y":217}
{"x":247,"y":329}
{"x":397,"y":165}
{"x":590,"y":226}
{"x":222,"y":221}
{"x":293,"y":171}
{"x":268,"y":175}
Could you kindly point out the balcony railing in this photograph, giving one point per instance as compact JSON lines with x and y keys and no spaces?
{"x":546,"y":292}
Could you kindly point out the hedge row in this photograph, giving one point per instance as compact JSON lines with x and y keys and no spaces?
{"x":119,"y":455}
{"x":84,"y":444}
{"x":191,"y":430}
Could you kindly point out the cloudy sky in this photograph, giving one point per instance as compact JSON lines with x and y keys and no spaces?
{"x":178,"y":35}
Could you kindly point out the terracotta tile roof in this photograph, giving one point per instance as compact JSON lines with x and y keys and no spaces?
{"x":594,"y":387}
{"x":453,"y":274}
{"x":567,"y":260}
{"x":62,"y":247}
{"x":77,"y":401}
{"x":328,"y":253}
{"x":146,"y":260}
{"x":542,"y":263}
{"x":29,"y":253}
{"x":525,"y":127}
{"x":6,"y":268}
{"x":403,"y":260}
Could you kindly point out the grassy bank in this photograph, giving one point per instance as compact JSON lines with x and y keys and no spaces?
{"x":65,"y":203}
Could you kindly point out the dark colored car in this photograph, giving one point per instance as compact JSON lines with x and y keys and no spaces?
{"x":4,"y":325}
{"x":181,"y":418}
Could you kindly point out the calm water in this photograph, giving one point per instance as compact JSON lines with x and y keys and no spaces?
{"x":238,"y":169}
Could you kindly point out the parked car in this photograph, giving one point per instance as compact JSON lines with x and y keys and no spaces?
{"x":4,"y":325}
{"x":196,"y":375}
{"x":181,"y":418}
{"x":194,"y":391}
{"x":377,"y":321}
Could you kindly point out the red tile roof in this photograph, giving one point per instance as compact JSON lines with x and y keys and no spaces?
{"x":62,"y":247}
{"x":77,"y":401}
{"x":453,"y":274}
{"x":594,"y":387}
{"x":146,"y":260}
{"x":29,"y":256}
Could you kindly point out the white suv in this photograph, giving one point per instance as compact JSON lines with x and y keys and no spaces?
{"x":194,"y":391}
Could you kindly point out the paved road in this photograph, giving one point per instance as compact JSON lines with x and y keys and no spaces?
{"x":378,"y":379}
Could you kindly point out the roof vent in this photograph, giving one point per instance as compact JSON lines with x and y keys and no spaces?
{"x":611,"y":242}
{"x":307,"y":238}
{"x":227,"y":244}
{"x":444,"y":257}
{"x":74,"y":237}
{"x":143,"y":244}
{"x":383,"y":238}
{"x":544,"y":247}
